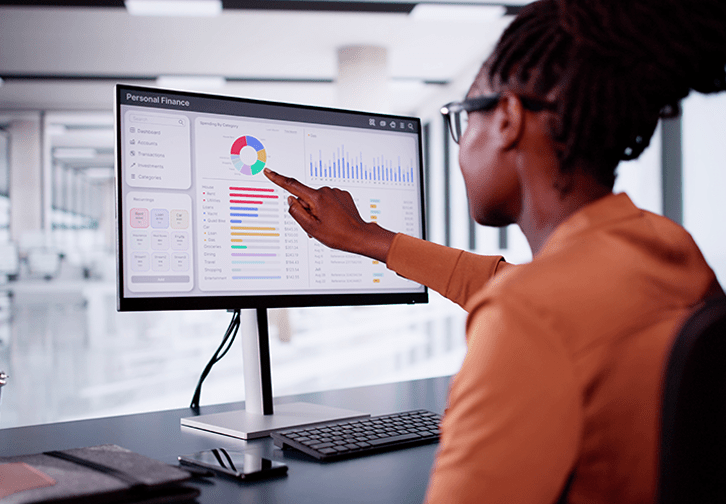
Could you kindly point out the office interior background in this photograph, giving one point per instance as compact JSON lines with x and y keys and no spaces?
{"x":69,"y":354}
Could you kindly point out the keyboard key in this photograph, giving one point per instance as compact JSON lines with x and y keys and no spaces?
{"x":321,"y":446}
{"x":394,"y":439}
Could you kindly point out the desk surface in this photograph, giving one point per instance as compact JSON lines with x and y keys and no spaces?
{"x":397,"y":477}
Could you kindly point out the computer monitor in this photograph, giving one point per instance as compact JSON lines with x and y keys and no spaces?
{"x":201,"y":227}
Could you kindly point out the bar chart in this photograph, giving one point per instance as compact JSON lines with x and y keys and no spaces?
{"x":342,"y":165}
{"x":360,"y":159}
{"x":255,"y":237}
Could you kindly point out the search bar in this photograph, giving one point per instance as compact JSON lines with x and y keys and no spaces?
{"x":159,"y":120}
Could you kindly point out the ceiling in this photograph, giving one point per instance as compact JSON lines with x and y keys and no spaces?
{"x":57,"y":58}
{"x":64,"y":57}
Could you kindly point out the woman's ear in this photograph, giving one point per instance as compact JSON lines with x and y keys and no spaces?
{"x":510,"y":125}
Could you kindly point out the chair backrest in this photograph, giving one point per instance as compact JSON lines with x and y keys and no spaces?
{"x":693,"y":417}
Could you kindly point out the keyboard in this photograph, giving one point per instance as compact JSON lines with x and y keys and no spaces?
{"x":352,"y":438}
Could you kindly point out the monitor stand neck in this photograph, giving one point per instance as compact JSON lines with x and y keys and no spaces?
{"x":258,"y":418}
{"x":256,"y":364}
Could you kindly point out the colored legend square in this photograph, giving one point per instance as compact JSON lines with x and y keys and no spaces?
{"x":159,"y":218}
{"x":139,"y":217}
{"x":179,"y":219}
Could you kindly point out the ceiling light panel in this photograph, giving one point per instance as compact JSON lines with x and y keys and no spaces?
{"x":457,"y":13}
{"x":185,"y":8}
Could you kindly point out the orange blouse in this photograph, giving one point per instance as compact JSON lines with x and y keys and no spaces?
{"x":565,"y":357}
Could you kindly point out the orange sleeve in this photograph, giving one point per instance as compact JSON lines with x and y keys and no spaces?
{"x":455,"y":274}
{"x":512,"y":428}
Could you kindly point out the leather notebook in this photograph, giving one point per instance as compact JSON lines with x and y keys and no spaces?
{"x":105,"y":473}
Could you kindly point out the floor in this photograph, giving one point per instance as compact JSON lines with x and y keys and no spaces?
{"x":69,"y":354}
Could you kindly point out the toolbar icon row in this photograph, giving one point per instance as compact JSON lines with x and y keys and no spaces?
{"x":403,"y":125}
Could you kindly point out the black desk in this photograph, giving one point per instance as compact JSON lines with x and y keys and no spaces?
{"x":397,"y":477}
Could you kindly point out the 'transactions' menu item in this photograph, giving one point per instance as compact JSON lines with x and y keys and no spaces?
{"x":157,"y":150}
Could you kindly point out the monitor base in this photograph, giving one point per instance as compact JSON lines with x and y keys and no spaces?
{"x":245,"y":425}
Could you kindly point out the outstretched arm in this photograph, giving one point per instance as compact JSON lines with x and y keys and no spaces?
{"x":330,"y":216}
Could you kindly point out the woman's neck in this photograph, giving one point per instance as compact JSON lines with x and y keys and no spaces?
{"x":545,"y":207}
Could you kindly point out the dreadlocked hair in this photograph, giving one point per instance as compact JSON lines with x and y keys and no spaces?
{"x":614,"y":68}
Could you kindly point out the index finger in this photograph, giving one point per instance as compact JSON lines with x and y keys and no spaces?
{"x":291,"y":185}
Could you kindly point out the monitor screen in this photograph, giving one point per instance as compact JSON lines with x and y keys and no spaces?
{"x":201,"y":227}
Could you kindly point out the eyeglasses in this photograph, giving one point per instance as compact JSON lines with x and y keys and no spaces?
{"x":456,"y":114}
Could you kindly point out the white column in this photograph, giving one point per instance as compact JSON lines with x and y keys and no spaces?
{"x":26,"y":179}
{"x":363,"y":78}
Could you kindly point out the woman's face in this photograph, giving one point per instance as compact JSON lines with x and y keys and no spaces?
{"x":492,"y":183}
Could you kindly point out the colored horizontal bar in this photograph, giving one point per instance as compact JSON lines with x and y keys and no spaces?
{"x":243,"y":215}
{"x":260,"y":189}
{"x":260,"y":236}
{"x":239,"y":246}
{"x":248,"y":202}
{"x":256,"y":278}
{"x":235,"y":221}
{"x":238,"y":195}
{"x":255,"y":234}
{"x":250,"y":254}
{"x":244,"y":209}
{"x":248,"y":262}
{"x":259,"y":240}
{"x":253,"y":228}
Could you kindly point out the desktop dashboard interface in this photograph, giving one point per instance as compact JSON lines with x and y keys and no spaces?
{"x":199,"y":218}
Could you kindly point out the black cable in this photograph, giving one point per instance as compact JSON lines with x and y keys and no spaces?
{"x":218,"y":354}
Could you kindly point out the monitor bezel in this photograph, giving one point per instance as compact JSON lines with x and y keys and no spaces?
{"x":232,"y":302}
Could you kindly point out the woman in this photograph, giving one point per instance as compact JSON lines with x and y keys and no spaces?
{"x":559,"y":392}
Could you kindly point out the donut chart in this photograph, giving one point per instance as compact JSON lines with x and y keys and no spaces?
{"x":241,"y":143}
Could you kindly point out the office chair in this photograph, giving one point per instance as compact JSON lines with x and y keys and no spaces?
{"x":693,"y":421}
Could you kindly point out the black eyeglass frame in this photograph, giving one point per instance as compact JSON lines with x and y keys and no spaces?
{"x":452,"y":111}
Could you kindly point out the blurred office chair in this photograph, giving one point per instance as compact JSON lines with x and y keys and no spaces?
{"x":9,"y":262}
{"x":3,"y":381}
{"x":43,"y":263}
{"x":693,"y":417}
